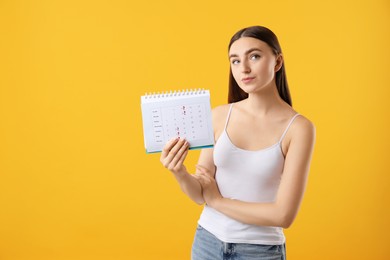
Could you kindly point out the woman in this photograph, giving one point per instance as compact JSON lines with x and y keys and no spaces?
{"x":254,"y":178}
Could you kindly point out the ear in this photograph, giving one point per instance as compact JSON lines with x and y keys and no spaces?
{"x":279,"y":62}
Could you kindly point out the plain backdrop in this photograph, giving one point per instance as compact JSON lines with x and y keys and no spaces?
{"x":75,"y":181}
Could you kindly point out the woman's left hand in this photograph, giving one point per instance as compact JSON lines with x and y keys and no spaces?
{"x":210,"y":189}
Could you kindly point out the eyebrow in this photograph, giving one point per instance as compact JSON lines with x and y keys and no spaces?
{"x":248,"y":51}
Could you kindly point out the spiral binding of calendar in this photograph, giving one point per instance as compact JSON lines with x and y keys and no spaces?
{"x":175,"y":93}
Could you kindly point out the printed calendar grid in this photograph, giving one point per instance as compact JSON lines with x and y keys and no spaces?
{"x":181,"y":114}
{"x":185,"y":121}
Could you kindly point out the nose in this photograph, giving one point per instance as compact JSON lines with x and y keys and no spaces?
{"x":245,"y":68}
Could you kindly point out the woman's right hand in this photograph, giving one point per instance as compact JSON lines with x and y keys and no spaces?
{"x":174,"y":154}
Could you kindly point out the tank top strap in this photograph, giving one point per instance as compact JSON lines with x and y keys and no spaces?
{"x":288,"y":126}
{"x":228,"y":116}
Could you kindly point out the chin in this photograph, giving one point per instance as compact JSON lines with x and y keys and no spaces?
{"x":254,"y":88}
{"x":249,"y":89}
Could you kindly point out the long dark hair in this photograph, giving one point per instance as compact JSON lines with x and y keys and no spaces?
{"x":266,"y":35}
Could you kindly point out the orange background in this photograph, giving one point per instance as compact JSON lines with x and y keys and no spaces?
{"x":75,"y":182}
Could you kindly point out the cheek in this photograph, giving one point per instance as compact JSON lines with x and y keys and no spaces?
{"x":272,"y":66}
{"x":266,"y":65}
{"x":267,"y":69}
{"x":271,"y":70}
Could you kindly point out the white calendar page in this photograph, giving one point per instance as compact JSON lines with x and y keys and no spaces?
{"x":185,"y":115}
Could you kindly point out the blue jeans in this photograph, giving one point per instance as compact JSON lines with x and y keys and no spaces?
{"x":207,"y":247}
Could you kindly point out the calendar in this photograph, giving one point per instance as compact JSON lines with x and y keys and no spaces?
{"x":185,"y":114}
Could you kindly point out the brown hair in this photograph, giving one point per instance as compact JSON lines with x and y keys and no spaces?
{"x":266,"y":35}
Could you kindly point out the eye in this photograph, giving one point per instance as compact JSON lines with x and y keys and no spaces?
{"x":235,"y":62}
{"x":255,"y":57}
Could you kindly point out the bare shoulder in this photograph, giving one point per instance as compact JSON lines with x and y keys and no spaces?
{"x":219,"y":114}
{"x":303,"y":128}
{"x":221,"y":111}
{"x":300,"y":138}
{"x":304,"y":124}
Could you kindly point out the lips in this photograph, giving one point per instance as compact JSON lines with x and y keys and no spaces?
{"x":247,"y":79}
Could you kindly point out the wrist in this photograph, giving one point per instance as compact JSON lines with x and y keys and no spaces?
{"x":180,"y":174}
{"x":216,"y":203}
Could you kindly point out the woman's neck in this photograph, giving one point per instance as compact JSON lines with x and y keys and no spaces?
{"x":264,"y":102}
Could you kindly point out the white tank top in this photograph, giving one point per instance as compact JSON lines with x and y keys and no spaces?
{"x":251,"y":176}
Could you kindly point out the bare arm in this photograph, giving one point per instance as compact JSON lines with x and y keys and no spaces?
{"x":172,"y":157}
{"x":283,"y":211}
{"x":174,"y":154}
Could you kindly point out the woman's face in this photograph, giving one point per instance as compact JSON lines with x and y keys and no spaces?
{"x":253,"y":64}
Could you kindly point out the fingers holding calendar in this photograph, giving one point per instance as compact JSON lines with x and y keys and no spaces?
{"x":174,"y":154}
